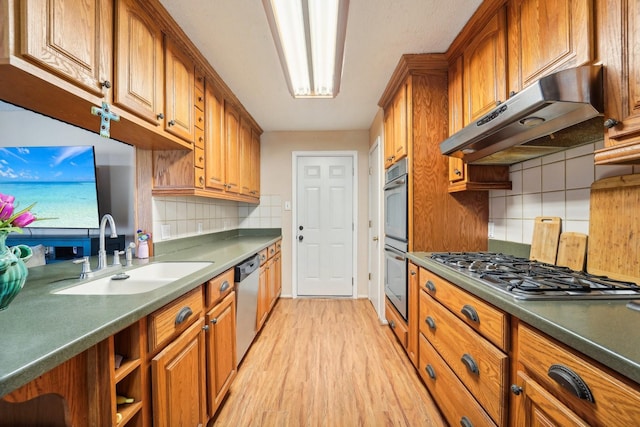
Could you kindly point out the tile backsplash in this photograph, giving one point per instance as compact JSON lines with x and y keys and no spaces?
{"x":554,"y":185}
{"x":175,"y":217}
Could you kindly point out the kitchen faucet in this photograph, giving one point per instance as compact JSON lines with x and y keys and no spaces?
{"x":102,"y":252}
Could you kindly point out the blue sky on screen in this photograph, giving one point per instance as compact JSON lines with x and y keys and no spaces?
{"x":46,"y":164}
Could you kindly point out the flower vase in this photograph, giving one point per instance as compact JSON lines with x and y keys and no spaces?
{"x":13,"y":271}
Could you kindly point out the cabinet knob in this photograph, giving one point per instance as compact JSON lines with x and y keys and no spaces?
{"x":516,"y":389}
{"x":457,"y":172}
{"x":610,"y":123}
{"x":205,"y":328}
{"x":214,"y":320}
{"x":106,"y":84}
{"x":392,"y":324}
{"x":160,"y":116}
{"x":171,"y":122}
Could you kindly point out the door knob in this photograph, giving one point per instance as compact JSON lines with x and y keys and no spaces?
{"x":300,"y":238}
{"x":301,"y":228}
{"x":375,"y":238}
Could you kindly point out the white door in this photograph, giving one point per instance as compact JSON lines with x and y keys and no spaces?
{"x":324,"y":226}
{"x":376,"y":290}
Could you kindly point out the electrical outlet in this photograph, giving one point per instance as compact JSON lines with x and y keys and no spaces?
{"x":287,"y":206}
{"x":165,"y":231}
{"x":491,"y":227}
{"x":199,"y":228}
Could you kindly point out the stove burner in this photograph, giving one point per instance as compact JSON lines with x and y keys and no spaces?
{"x":526,"y":279}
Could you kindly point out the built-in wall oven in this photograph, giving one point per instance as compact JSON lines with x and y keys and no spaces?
{"x":396,"y":240}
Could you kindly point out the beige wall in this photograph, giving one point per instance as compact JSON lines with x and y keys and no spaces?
{"x":276,"y":180}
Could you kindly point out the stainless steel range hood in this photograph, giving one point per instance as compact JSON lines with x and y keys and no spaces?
{"x":559,"y":111}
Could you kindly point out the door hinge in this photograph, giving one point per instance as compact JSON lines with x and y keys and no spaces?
{"x":369,"y":223}
{"x":370,"y":170}
{"x":352,"y":281}
{"x":369,"y":276}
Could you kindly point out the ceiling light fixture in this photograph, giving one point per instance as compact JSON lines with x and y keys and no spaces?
{"x":309,"y":37}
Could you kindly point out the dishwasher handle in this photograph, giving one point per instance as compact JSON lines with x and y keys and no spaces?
{"x":245,"y":268}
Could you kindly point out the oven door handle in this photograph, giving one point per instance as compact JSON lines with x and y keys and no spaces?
{"x":394,"y":184}
{"x":396,"y":254}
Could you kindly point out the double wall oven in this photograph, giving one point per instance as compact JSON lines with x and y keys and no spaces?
{"x":396,"y":240}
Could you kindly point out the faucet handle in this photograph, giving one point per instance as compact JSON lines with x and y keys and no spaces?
{"x":116,"y":257}
{"x":86,"y":267}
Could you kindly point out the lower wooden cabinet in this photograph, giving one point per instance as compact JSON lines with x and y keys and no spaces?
{"x":270,"y":282}
{"x":221,"y":351}
{"x":397,"y":323}
{"x":178,"y":380}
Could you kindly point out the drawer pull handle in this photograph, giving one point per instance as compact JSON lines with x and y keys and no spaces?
{"x":183,"y":315}
{"x":470,"y":313}
{"x":225,"y":285}
{"x":465,"y":422}
{"x":571,"y":382}
{"x":430,"y":372}
{"x":471,"y":364}
{"x":430,"y":286}
{"x":430,"y":322}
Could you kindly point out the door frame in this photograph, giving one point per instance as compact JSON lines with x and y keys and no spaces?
{"x":376,"y":182}
{"x":295,"y":155}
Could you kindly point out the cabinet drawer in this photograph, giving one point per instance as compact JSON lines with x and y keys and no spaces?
{"x":198,"y":154}
{"x":479,"y":364}
{"x":198,"y":177}
{"x":397,"y":324}
{"x":199,"y":119}
{"x":489,"y":321}
{"x":198,"y":80}
{"x":218,"y":287}
{"x":199,"y":141}
{"x":278,"y":245}
{"x":616,"y":401}
{"x":263,"y":256}
{"x":199,"y":100}
{"x":271,"y":250}
{"x":173,"y":318}
{"x":453,"y":399}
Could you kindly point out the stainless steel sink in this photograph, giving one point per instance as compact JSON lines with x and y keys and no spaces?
{"x":136,"y":281}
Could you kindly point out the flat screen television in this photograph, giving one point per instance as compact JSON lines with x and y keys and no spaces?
{"x":61,"y":180}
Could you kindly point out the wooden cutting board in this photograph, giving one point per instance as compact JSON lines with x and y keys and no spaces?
{"x":614,"y":228}
{"x":572,"y":250}
{"x":546,"y":235}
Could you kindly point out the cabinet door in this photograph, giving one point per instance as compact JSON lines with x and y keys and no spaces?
{"x":388,"y":137}
{"x":214,"y":149}
{"x":263,"y":297}
{"x":537,"y":407}
{"x":484,"y":70}
{"x":547,"y":36}
{"x":273,"y":282}
{"x":179,"y":92}
{"x":624,"y":78}
{"x":221,"y":350}
{"x":456,"y":121}
{"x":255,"y":163}
{"x":401,"y":123}
{"x":71,"y":39}
{"x":246,"y":172}
{"x":138,"y":75}
{"x":414,"y":298}
{"x":278,"y":275}
{"x":232,"y":148}
{"x":178,"y":378}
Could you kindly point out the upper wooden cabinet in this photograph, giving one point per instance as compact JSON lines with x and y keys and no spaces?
{"x":484,"y":69}
{"x":71,"y":39}
{"x":397,"y":136}
{"x":619,"y":29}
{"x":232,"y":148}
{"x":179,"y":92}
{"x":546,"y":36}
{"x":214,"y":165}
{"x":138,"y":74}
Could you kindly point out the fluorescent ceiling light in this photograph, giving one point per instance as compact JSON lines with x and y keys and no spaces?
{"x":309,"y":37}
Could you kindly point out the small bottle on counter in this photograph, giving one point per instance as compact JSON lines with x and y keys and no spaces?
{"x":143,"y":249}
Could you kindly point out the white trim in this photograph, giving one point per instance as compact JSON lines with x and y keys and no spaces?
{"x":294,"y":182}
{"x":379,"y":287}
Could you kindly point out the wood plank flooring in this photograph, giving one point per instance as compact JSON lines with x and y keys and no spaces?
{"x":326,"y":362}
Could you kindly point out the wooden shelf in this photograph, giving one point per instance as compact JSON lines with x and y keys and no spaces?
{"x":128,"y":410}
{"x":125,"y":369}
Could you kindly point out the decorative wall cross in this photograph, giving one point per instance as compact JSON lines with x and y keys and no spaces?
{"x":105,"y":118}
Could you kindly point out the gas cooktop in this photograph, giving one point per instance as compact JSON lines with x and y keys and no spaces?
{"x":533,"y":280}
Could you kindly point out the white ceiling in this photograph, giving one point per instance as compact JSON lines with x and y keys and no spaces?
{"x":235,"y":38}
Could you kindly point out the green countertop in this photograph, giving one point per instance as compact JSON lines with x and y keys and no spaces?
{"x":40,"y":329}
{"x":605,"y":330}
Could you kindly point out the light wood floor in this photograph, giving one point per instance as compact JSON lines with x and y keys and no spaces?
{"x":321,"y":362}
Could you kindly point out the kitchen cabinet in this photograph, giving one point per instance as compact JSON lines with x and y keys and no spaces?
{"x":232,"y":148}
{"x":247,"y":180}
{"x":476,"y":85}
{"x":396,"y":144}
{"x":263,"y":290}
{"x":617,"y":44}
{"x":179,"y":92}
{"x":463,"y":332}
{"x":138,"y":81}
{"x":269,"y":282}
{"x":220,"y":338}
{"x":255,"y":164}
{"x":214,"y":150}
{"x":555,"y":385}
{"x":546,"y":36}
{"x":178,"y":370}
{"x":413,"y":293}
{"x":71,"y":39}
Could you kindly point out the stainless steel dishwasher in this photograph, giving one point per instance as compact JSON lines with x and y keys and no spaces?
{"x":246,"y":277}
